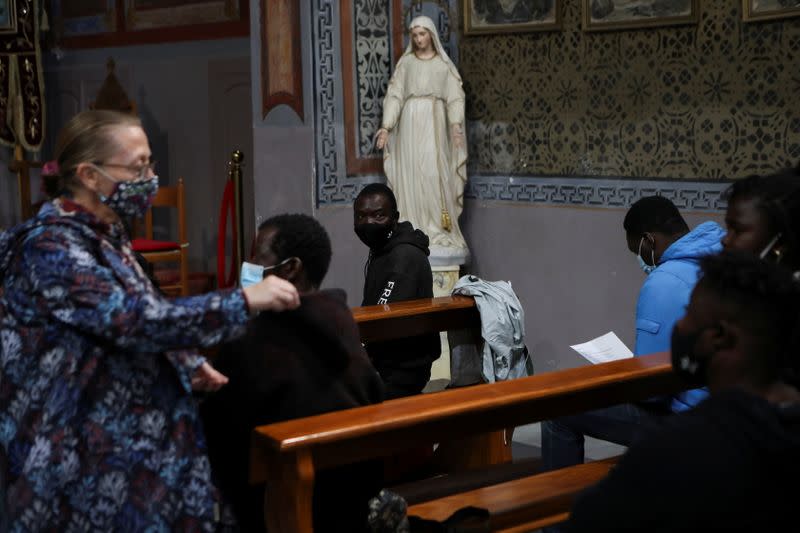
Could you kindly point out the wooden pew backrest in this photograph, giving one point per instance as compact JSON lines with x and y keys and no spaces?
{"x":347,"y":436}
{"x":289,"y":453}
{"x":415,"y":317}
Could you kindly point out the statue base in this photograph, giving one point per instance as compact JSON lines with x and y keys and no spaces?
{"x":444,"y":279}
{"x":451,"y":258}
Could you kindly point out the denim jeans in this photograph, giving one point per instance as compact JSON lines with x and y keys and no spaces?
{"x":563,"y":438}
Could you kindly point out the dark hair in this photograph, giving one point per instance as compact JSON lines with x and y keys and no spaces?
{"x":379,"y":188}
{"x":777,"y":198}
{"x":84,"y":139}
{"x":301,"y":236}
{"x":763,"y":298}
{"x":654,"y":214}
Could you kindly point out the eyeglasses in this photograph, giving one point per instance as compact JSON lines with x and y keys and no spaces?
{"x":139,"y":170}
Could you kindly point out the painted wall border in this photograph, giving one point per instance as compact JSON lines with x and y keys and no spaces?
{"x":608,"y":192}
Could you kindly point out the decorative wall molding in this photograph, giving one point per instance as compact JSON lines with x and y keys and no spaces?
{"x":596,"y":192}
{"x":600,"y":193}
{"x":331,"y":186}
{"x":281,"y":63}
{"x":369,"y":44}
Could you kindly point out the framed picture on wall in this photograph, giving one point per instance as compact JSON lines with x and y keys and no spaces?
{"x":8,"y":17}
{"x":105,"y":23}
{"x":769,"y":9}
{"x":146,"y":14}
{"x":601,"y":15}
{"x":88,"y":17}
{"x":482,"y":17}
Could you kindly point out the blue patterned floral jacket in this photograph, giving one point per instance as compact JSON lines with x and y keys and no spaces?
{"x":98,"y":428}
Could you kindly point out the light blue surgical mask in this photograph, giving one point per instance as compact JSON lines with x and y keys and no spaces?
{"x":250,"y":274}
{"x":644,"y":266}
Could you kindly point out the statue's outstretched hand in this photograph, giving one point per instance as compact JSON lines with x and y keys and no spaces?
{"x":380,"y":138}
{"x":457,"y":136}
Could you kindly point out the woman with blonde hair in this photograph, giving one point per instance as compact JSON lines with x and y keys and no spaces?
{"x":98,"y":427}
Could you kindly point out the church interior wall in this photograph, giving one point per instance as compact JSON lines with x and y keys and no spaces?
{"x":566,"y":129}
{"x":707,"y":100}
{"x":283,"y":139}
{"x":677,"y":111}
{"x":570,"y":267}
{"x":173,"y":85}
{"x":716,"y":102}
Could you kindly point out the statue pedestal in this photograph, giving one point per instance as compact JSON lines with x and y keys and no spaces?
{"x":445,"y":266}
{"x":447,"y":259}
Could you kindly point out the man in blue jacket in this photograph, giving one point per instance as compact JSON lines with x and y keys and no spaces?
{"x":669,"y":254}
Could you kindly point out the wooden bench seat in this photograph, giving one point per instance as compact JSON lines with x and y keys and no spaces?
{"x":523,"y":504}
{"x":288,"y":453}
{"x":446,"y":483}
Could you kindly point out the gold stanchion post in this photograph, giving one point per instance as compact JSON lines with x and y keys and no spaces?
{"x":235,"y":174}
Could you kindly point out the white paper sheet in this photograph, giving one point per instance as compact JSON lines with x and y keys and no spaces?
{"x":603,"y":349}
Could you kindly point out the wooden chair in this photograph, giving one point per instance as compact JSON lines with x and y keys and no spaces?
{"x":22,"y":169}
{"x":156,"y":251}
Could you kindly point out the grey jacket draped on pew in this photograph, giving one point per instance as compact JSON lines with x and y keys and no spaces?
{"x":503,"y":354}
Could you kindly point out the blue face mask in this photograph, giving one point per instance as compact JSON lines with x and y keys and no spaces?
{"x":251,"y":273}
{"x":644,"y":266}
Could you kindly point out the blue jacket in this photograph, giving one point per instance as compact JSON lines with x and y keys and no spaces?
{"x":665,"y":295}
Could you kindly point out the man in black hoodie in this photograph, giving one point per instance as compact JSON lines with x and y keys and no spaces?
{"x":397,"y":269}
{"x":291,"y":365}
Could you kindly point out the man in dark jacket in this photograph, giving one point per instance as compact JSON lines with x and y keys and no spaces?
{"x":291,"y":365}
{"x":730,"y":464}
{"x":397,"y":269}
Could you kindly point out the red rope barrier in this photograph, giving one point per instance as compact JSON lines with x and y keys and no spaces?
{"x":226,"y":209}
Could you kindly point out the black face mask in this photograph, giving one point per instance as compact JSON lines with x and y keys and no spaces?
{"x":374,"y":235}
{"x":685,"y":361}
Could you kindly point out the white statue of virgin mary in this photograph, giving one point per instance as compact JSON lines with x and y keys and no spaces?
{"x":424,"y":143}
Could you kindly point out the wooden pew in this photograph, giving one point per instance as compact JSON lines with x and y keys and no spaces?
{"x":431,"y":315}
{"x":523,"y":504}
{"x":289,"y":453}
{"x":414,"y":317}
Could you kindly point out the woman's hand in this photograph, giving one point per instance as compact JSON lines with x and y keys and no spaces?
{"x":272,"y":294}
{"x":207,"y":379}
{"x":381,"y":137}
